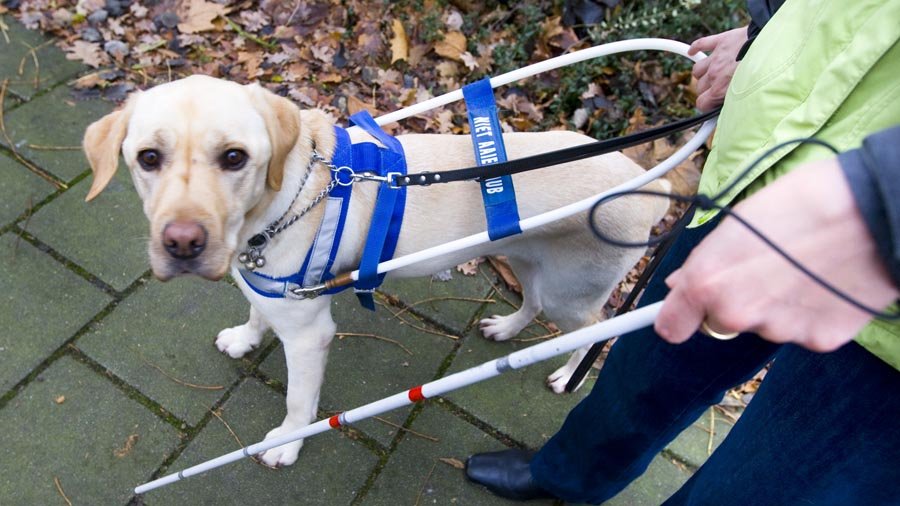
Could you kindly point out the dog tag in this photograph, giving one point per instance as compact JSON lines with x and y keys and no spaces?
{"x":257,"y":240}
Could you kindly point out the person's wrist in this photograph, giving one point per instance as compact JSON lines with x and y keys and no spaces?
{"x":747,"y":43}
{"x":828,"y":191}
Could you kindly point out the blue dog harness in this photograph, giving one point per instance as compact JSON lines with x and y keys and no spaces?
{"x":381,"y":241}
{"x":367,"y":160}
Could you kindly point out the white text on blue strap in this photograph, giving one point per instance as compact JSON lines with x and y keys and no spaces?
{"x":487,"y":151}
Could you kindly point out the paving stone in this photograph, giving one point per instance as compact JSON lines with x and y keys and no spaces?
{"x":42,"y":305}
{"x":111,"y":238}
{"x":331,"y":469}
{"x":414,"y":475}
{"x":364,"y":369}
{"x":171,"y":325}
{"x":19,"y":190}
{"x":54,"y":119}
{"x":692,"y":445}
{"x":446,"y":300}
{"x":54,"y":67}
{"x":517,"y":403}
{"x":74,"y":425}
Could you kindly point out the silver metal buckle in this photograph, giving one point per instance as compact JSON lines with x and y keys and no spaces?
{"x":389,"y":178}
{"x":306,"y":292}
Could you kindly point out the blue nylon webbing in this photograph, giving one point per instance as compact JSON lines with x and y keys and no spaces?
{"x":498,"y":193}
{"x":387,"y":218}
{"x":339,"y":198}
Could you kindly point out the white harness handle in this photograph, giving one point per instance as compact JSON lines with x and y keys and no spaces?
{"x":666,"y":165}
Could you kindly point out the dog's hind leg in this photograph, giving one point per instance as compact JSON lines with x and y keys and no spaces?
{"x":569,"y":316}
{"x":574,"y":299}
{"x":501,"y":328}
{"x":560,"y":377}
{"x":237,"y":341}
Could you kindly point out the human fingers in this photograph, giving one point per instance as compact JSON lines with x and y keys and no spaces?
{"x":701,"y":67}
{"x":707,"y":43}
{"x":709,"y":100}
{"x":680,"y":315}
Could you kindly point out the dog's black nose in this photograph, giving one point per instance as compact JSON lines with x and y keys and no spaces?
{"x":184,"y":239}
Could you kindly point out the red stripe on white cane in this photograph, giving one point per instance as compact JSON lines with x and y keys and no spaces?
{"x":415,"y":394}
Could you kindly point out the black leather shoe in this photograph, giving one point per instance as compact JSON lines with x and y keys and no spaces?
{"x":506,"y":473}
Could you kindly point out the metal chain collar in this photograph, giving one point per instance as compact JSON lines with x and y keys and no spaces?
{"x":252,"y":256}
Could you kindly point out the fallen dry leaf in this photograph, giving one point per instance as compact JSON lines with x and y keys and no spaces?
{"x":126,"y":449}
{"x":89,"y":52}
{"x":369,"y":43}
{"x":59,"y":400}
{"x":501,"y":265}
{"x":470,"y":268}
{"x":469,"y":60}
{"x":452,"y":462}
{"x":399,"y":42}
{"x":252,"y":61}
{"x":552,"y":27}
{"x":685,"y":177}
{"x":454,"y":20}
{"x":447,"y":69}
{"x":354,"y":105}
{"x":417,"y":53}
{"x":89,"y":81}
{"x":198,"y":15}
{"x":453,"y":46}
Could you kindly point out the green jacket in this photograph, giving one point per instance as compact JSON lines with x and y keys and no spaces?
{"x":823,"y":68}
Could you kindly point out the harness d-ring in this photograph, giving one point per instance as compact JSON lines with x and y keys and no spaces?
{"x":351,"y":175}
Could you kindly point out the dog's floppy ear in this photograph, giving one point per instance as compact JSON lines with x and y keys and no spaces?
{"x":102,"y":142}
{"x":283,"y":126}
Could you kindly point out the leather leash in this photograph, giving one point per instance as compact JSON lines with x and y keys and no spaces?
{"x":549,"y":159}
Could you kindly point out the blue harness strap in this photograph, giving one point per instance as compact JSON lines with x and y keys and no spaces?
{"x":387,"y":218}
{"x":498,"y":193}
{"x":319,"y":260}
{"x":381,"y":241}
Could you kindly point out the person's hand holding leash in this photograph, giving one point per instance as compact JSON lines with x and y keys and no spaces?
{"x":734,"y":282}
{"x":714,"y":73}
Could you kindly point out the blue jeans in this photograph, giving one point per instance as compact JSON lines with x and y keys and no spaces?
{"x":822,"y":429}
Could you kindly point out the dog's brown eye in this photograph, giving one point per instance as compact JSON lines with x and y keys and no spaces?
{"x":150,"y":159}
{"x":234,"y":159}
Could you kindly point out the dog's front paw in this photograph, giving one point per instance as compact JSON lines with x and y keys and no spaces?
{"x":558,"y":380}
{"x":237,"y":341}
{"x":283,"y":455}
{"x":499,"y":328}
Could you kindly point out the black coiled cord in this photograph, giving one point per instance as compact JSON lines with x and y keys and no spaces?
{"x":705,"y":202}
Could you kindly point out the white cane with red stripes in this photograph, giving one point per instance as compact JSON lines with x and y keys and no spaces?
{"x":602,"y":331}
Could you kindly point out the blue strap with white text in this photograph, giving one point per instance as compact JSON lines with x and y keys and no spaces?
{"x":387,"y":218}
{"x":498,"y":193}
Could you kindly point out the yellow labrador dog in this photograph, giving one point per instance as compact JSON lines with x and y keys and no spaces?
{"x":215,"y":162}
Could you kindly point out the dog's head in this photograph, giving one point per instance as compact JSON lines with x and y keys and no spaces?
{"x":201,"y":152}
